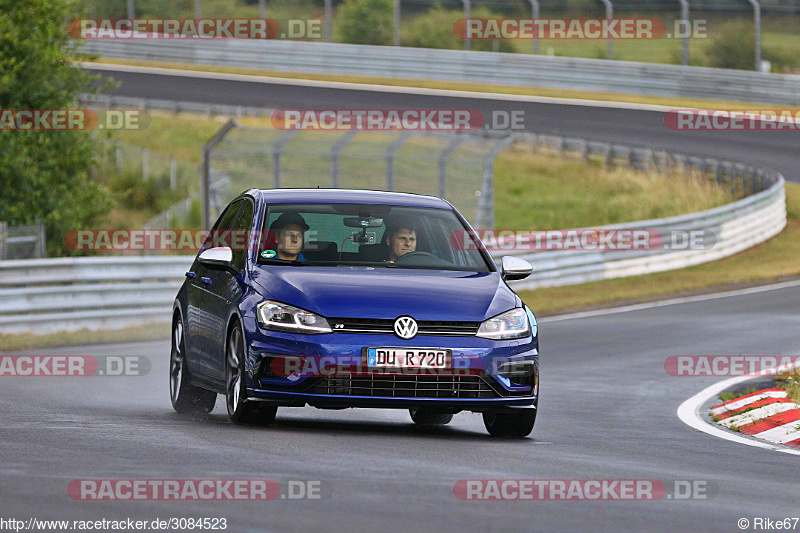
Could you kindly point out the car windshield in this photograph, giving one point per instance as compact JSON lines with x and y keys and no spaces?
{"x":368,"y":235}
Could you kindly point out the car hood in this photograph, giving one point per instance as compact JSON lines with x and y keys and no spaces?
{"x":359,"y":292}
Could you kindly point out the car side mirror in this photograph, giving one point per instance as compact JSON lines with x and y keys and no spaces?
{"x":515,"y":268}
{"x":220,"y":257}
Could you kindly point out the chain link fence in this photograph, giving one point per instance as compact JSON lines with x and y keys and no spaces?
{"x":456,"y":166}
{"x":149,"y":180}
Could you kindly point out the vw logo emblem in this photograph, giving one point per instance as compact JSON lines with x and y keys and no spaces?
{"x":405,"y":327}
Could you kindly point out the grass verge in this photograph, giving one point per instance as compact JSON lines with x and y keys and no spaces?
{"x":153,"y":331}
{"x":790,"y":382}
{"x":773,"y":260}
{"x":728,"y":396}
{"x":792,"y":387}
{"x":570,"y":193}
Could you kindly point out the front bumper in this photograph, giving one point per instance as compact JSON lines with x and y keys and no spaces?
{"x":294,"y":399}
{"x":485,"y":373}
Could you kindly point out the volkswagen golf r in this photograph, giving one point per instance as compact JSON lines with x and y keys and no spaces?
{"x":340,"y":298}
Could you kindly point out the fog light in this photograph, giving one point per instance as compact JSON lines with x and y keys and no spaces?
{"x":521,"y":373}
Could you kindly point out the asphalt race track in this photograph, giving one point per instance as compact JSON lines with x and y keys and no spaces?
{"x":775,"y":149}
{"x":608,"y":407}
{"x":608,"y":411}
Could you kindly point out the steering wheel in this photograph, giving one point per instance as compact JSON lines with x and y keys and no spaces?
{"x":422,"y":259}
{"x":414,"y":254}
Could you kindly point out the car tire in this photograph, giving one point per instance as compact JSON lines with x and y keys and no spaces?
{"x":514,"y":424}
{"x":186,"y":398}
{"x":426,"y":417}
{"x":241,"y":411}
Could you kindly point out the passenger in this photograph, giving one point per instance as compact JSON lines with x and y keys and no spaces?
{"x":289,"y":229}
{"x":401,"y":238}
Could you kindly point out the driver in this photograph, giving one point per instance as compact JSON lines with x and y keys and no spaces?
{"x":289,"y":229}
{"x":401,"y":238}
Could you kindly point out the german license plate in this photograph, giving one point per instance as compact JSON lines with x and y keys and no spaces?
{"x":408,"y":358}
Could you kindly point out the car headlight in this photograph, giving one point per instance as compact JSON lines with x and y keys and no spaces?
{"x":285,"y":317}
{"x":512,"y":324}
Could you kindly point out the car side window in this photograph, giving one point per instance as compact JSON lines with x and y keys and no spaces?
{"x":241,"y":237}
{"x":224,"y":222}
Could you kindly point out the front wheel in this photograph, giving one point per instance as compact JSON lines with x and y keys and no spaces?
{"x":241,"y":411}
{"x":186,"y":398}
{"x":513,"y":424}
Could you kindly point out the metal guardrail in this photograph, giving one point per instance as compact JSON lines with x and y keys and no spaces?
{"x":463,"y":66}
{"x":67,"y":294}
{"x":53,"y":295}
{"x":106,"y":100}
{"x":737,"y":227}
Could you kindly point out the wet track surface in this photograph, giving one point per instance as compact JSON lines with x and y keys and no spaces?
{"x":608,"y":411}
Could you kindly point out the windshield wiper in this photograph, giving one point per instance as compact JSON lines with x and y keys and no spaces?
{"x":297,"y":262}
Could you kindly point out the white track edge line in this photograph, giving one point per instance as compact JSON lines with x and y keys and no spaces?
{"x":673,"y":301}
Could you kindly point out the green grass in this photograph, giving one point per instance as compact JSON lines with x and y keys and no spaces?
{"x":566,"y":193}
{"x":535,"y":191}
{"x":728,"y":396}
{"x":666,"y":50}
{"x":154,"y":331}
{"x":135,"y":199}
{"x":181,"y":138}
{"x":773,"y":260}
{"x":791,"y":384}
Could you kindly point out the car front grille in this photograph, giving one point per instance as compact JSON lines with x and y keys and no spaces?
{"x":405,"y":386}
{"x":386,"y":327}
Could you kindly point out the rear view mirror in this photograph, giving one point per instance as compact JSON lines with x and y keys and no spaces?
{"x":363,"y":222}
{"x":515,"y":268}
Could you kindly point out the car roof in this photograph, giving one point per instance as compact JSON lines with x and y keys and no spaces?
{"x":347,"y":196}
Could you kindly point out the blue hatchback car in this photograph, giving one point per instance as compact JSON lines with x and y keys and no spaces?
{"x":341,"y":298}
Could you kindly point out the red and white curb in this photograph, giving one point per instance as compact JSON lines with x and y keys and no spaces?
{"x":766,"y":415}
{"x":694,"y":413}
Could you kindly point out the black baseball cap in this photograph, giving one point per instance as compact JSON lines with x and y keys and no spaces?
{"x":290,"y":217}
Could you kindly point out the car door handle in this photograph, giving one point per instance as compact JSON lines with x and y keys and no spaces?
{"x":190,"y":275}
{"x":206,"y":281}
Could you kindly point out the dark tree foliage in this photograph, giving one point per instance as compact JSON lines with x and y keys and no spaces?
{"x":45,"y":175}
